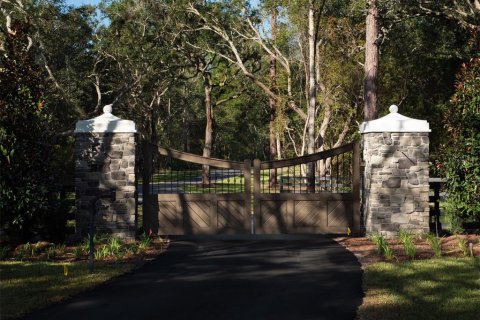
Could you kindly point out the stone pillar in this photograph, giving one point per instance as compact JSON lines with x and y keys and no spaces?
{"x":105,"y":163}
{"x":395,"y":152}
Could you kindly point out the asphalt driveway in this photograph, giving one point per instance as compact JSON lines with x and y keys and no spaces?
{"x":311,"y":278}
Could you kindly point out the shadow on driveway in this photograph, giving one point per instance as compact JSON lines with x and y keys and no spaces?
{"x":208,"y":279}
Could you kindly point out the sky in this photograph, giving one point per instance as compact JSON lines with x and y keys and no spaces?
{"x":95,"y":2}
{"x":81,"y":2}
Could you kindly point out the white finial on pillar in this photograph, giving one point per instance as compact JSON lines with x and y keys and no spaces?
{"x":106,"y":122}
{"x":107,"y":108}
{"x":393,"y":109}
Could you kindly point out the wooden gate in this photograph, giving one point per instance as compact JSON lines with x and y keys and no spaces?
{"x":317,"y":193}
{"x":177,"y":201}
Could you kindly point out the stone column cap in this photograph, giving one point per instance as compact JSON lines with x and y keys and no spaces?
{"x":395,"y":122}
{"x":106,"y":123}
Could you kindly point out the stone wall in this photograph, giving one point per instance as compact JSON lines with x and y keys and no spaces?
{"x":395,"y":182}
{"x":105,"y":161}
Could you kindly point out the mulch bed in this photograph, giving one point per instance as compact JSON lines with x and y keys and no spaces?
{"x":156,"y":248}
{"x":366,"y":251}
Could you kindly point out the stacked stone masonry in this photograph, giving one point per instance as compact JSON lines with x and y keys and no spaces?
{"x":105,"y":162}
{"x":395,"y":182}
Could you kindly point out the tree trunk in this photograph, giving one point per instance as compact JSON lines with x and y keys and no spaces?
{"x":272,"y":103}
{"x":312,"y":95}
{"x":207,"y":149}
{"x":371,"y":62}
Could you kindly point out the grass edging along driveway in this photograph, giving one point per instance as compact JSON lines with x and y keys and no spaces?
{"x":444,"y":288}
{"x":26,"y":286}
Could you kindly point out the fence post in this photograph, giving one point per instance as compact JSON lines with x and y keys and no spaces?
{"x":256,"y":193}
{"x":146,"y":194}
{"x":247,"y":176}
{"x":356,"y":187}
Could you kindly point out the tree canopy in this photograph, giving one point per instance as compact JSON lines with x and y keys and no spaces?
{"x":229,"y":79}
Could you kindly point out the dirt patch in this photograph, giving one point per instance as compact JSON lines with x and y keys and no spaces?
{"x":366,"y":251}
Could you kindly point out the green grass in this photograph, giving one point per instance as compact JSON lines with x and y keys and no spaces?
{"x":447,"y":288}
{"x":26,"y":286}
{"x":182,"y":175}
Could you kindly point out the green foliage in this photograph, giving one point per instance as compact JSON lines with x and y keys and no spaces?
{"x":51,"y":253}
{"x":388,"y":252}
{"x":445,"y":288}
{"x":460,"y":163}
{"x":102,"y":252}
{"x":382,"y":246}
{"x":436,"y":244}
{"x":4,"y":252}
{"x":28,"y":286}
{"x":463,"y":246}
{"x":144,"y":241}
{"x":379,"y":241}
{"x":25,"y":137}
{"x":406,"y":238}
{"x":78,"y":252}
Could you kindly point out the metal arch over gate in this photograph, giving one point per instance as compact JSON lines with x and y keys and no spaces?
{"x":317,"y":193}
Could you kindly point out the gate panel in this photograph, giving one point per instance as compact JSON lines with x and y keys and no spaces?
{"x":231,"y":217}
{"x":317,"y":193}
{"x":310,"y":216}
{"x":339,"y":214}
{"x":183,"y":202}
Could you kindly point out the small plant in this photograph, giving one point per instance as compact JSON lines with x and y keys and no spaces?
{"x":29,"y":249}
{"x":436,"y":244}
{"x":387,"y":252}
{"x":463,"y":246}
{"x":60,"y":248}
{"x":78,"y":252}
{"x":102,"y":253}
{"x":20,"y":253}
{"x":144,"y":241}
{"x":379,"y":241}
{"x":382,"y":246}
{"x":86,"y":243}
{"x":406,"y":237}
{"x":133,"y":248}
{"x":115,"y":245}
{"x":4,"y":252}
{"x":50,"y":253}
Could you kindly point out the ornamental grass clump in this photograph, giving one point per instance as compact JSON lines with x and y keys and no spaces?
{"x":144,"y":241}
{"x":406,"y":237}
{"x":382,"y":246}
{"x":463,"y":246}
{"x":436,"y":244}
{"x":116,"y":246}
{"x":379,"y":241}
{"x":387,"y":252}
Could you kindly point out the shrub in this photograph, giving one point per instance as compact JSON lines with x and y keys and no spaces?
{"x":25,"y":138}
{"x":4,"y":252}
{"x":461,"y":155}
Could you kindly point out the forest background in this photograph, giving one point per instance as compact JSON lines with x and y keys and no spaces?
{"x":270,"y":79}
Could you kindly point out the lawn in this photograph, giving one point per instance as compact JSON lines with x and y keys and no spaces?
{"x":26,"y":286}
{"x":446,"y":288}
